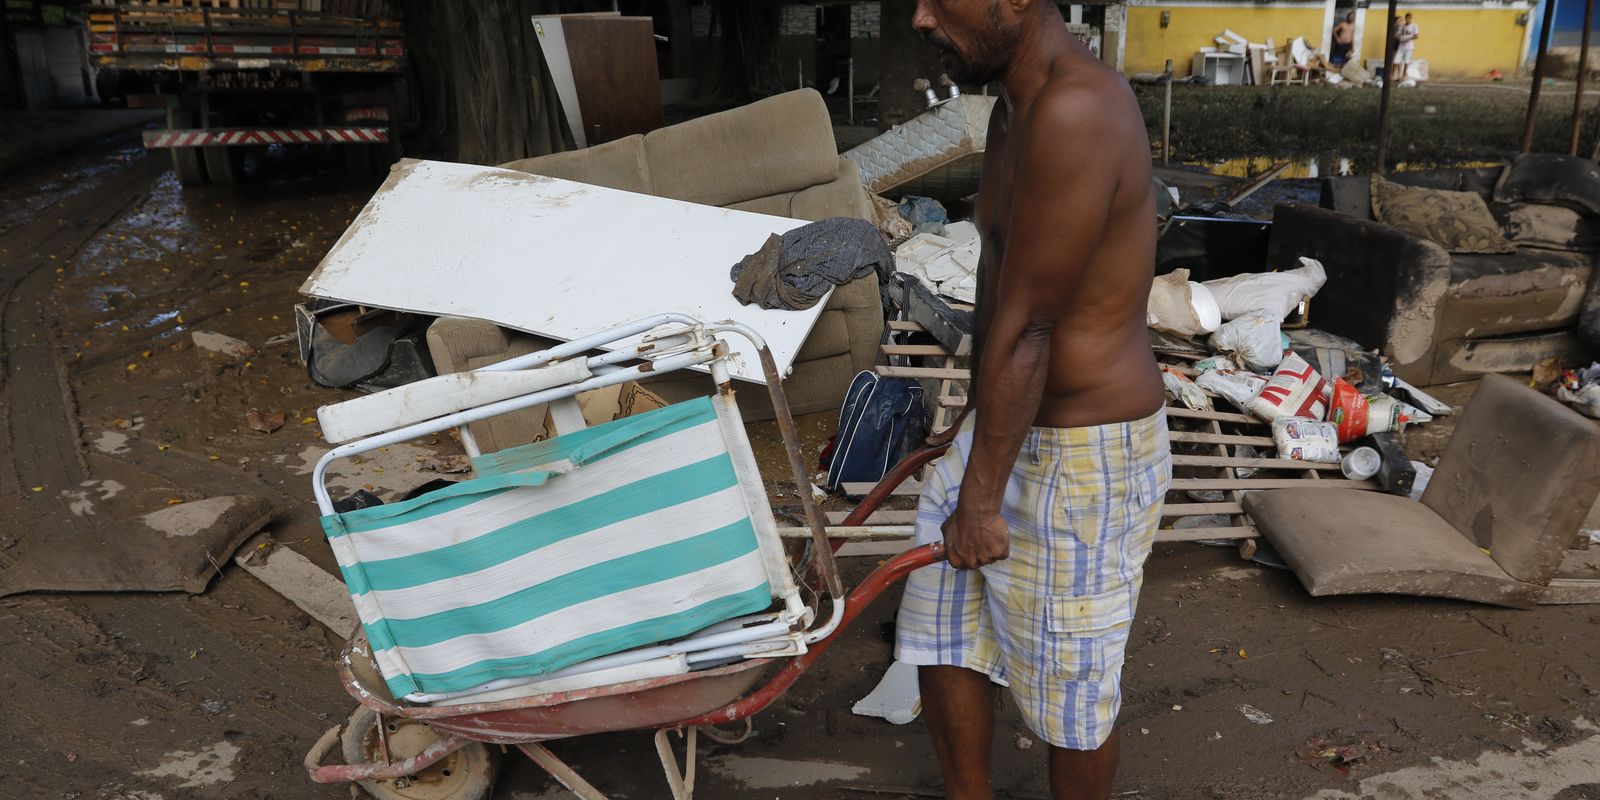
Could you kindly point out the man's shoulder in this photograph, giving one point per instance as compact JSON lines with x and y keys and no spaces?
{"x":1089,"y":100}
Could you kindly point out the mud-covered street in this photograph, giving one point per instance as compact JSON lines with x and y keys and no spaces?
{"x":1237,"y":685}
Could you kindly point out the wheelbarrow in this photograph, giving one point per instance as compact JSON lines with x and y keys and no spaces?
{"x":416,"y":735}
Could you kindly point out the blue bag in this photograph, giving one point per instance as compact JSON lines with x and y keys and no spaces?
{"x":881,"y":420}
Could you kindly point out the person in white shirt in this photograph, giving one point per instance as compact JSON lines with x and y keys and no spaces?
{"x":1406,"y":35}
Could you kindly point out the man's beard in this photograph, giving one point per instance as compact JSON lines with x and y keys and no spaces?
{"x":992,"y":49}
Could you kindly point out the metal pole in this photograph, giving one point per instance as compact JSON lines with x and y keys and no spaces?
{"x":1538,"y":75}
{"x":1166,"y":116}
{"x":1389,"y":45}
{"x":1583,"y":74}
{"x":850,"y":88}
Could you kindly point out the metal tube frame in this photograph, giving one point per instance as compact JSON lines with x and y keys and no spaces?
{"x":666,"y":351}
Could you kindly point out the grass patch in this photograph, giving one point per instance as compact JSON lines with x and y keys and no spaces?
{"x":1428,"y":125}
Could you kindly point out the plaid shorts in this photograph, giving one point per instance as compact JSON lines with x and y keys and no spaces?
{"x":1052,"y":620}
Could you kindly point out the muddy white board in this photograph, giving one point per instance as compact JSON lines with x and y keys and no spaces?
{"x":551,"y":257}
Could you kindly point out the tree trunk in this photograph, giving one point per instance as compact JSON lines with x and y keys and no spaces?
{"x":903,"y":58}
{"x":747,"y":63}
{"x":479,"y":77}
{"x":10,"y":68}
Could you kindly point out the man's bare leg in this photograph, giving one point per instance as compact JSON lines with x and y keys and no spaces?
{"x":1083,"y":774}
{"x":959,"y":706}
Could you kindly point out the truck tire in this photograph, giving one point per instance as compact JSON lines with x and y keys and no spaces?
{"x":186,"y":161}
{"x":223,"y":165}
{"x":191,"y":168}
{"x":357,"y":158}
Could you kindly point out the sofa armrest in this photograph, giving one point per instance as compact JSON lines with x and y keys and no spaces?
{"x":860,"y":301}
{"x":1385,"y":287}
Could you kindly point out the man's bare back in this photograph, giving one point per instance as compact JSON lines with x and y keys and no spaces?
{"x":1100,"y":368}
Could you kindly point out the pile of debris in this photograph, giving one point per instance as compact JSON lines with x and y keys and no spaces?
{"x":1249,"y":360}
{"x":1578,"y":388}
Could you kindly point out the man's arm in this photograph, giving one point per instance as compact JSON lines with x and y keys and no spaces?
{"x":1062,"y":189}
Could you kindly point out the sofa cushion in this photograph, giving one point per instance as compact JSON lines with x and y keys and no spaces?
{"x":1343,"y":541}
{"x":1458,"y":221}
{"x":780,"y":144}
{"x":1548,"y":178}
{"x":829,"y":337}
{"x":1518,"y":477}
{"x":1528,"y":290}
{"x":618,"y":164}
{"x":776,"y":205}
{"x":1547,"y":226}
{"x":841,"y":197}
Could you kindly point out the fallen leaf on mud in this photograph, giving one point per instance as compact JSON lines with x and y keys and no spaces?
{"x":1241,"y":653}
{"x":37,"y":488}
{"x":174,"y":501}
{"x":447,"y":464}
{"x":1320,"y":752}
{"x":308,"y":420}
{"x":122,"y":423}
{"x":1547,"y":371}
{"x":264,"y":421}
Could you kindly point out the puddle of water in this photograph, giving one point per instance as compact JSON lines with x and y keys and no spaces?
{"x":778,"y":773}
{"x":1327,"y":165}
{"x":1533,"y":773}
{"x":198,"y":768}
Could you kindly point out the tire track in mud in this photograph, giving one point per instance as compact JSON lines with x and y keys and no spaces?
{"x":217,"y":695}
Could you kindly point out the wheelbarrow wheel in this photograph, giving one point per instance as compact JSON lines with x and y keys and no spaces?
{"x":466,"y":774}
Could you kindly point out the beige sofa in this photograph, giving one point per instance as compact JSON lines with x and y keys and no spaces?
{"x":775,"y":156}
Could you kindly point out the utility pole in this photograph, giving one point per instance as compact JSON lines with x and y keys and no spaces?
{"x":1389,"y":45}
{"x":1538,"y":74}
{"x":1583,"y":75}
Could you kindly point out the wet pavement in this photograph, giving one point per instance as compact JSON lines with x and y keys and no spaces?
{"x":219,"y":695}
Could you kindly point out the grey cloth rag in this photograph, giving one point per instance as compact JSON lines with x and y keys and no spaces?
{"x":794,"y":270}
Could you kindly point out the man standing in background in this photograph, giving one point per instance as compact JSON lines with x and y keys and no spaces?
{"x":1406,"y":35}
{"x":1344,"y":40}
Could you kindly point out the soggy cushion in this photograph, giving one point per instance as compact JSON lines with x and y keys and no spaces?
{"x":1458,"y":221}
{"x":1344,"y":541}
{"x":780,"y":144}
{"x":618,"y":164}
{"x":1548,"y":178}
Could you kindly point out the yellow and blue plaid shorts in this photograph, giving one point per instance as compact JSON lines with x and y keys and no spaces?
{"x":1052,"y":619}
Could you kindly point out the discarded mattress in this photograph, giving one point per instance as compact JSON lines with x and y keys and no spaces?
{"x":947,"y":264}
{"x":938,"y":154}
{"x":553,"y":258}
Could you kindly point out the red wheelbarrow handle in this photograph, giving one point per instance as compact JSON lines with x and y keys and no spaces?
{"x":881,"y":578}
{"x":347,"y":773}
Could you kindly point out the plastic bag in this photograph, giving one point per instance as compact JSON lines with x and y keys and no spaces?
{"x":1357,"y":415}
{"x":1236,"y":386}
{"x":1253,"y":340}
{"x":1306,"y":440}
{"x":1586,"y":400}
{"x":1184,"y":390}
{"x":1278,"y":293}
{"x":1214,"y":362}
{"x":1180,"y":306}
{"x":1295,"y":390}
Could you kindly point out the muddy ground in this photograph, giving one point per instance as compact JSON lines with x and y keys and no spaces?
{"x":219,"y":695}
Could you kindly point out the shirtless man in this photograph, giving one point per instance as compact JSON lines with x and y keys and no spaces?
{"x":1049,"y":496}
{"x":1344,"y":40}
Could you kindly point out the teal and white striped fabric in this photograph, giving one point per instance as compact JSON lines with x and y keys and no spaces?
{"x":625,"y":534}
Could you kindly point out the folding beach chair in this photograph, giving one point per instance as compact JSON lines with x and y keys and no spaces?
{"x":634,"y":549}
